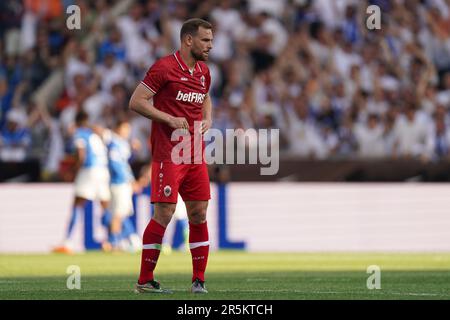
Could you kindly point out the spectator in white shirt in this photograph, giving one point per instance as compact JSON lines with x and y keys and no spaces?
{"x":369,"y":137}
{"x":77,"y":64}
{"x":111,"y":72}
{"x":304,"y":137}
{"x":132,"y":27}
{"x":227,"y":18}
{"x":413,"y":134}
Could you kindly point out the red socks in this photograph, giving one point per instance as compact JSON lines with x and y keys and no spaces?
{"x":151,"y":248}
{"x":152,"y":239}
{"x":199,"y":245}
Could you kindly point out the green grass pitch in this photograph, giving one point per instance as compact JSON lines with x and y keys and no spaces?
{"x":231,"y":275}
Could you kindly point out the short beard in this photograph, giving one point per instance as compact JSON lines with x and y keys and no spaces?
{"x":196,"y":56}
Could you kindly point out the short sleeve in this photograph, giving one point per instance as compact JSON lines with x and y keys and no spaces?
{"x":79,"y":142}
{"x":107,"y":136}
{"x":155,"y":77}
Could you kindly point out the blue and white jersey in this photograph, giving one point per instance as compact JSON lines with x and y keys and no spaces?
{"x":119,"y":152}
{"x":96,"y":152}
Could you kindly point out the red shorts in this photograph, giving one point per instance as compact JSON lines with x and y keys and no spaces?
{"x":169,"y":179}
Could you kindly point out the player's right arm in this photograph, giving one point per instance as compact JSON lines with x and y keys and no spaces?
{"x":140,"y":103}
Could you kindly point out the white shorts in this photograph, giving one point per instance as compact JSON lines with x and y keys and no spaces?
{"x":93,"y":184}
{"x":121,"y":200}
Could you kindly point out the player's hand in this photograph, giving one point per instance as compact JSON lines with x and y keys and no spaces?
{"x":179,"y":123}
{"x":206,"y":125}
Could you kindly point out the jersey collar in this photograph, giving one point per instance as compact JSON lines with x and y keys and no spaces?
{"x":183,"y":65}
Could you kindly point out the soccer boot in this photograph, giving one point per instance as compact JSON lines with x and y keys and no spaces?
{"x":150,"y":287}
{"x":198,"y":286}
{"x":63,"y":249}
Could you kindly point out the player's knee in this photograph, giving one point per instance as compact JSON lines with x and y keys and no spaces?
{"x":163,"y":213}
{"x":197,"y":215}
{"x":79,"y":201}
{"x":104,"y":204}
{"x":162,"y":219}
{"x":116,"y":225}
{"x":197,"y":219}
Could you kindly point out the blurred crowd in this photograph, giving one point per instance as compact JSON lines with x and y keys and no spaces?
{"x":311,"y":68}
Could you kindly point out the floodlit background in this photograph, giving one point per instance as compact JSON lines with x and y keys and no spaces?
{"x":363,"y":117}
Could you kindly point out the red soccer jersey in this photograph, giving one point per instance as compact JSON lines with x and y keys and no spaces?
{"x":178,"y":93}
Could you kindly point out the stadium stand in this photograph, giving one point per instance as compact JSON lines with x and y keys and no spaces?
{"x":336,"y":90}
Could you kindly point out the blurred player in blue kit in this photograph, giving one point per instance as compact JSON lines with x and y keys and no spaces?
{"x":92,"y":178}
{"x":121,"y":231}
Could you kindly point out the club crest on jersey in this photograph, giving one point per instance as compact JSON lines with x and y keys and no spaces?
{"x":167,"y":191}
{"x":202,"y":81}
{"x":190,"y":97}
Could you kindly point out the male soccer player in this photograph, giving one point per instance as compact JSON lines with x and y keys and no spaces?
{"x":122,"y":186}
{"x":92,"y":179}
{"x":179,"y":85}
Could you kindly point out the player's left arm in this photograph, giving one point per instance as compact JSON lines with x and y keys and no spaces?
{"x":207,"y":114}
